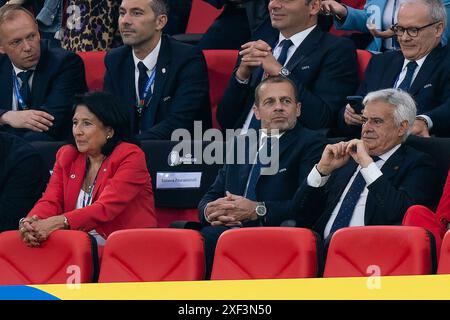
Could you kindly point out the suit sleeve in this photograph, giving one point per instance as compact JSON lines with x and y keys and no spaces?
{"x":69,"y":81}
{"x":192,"y":92}
{"x":308,"y":204}
{"x":279,"y":211}
{"x":323,"y":98}
{"x":22,"y":187}
{"x":216,"y":191}
{"x":414,"y":189}
{"x":127,"y":182}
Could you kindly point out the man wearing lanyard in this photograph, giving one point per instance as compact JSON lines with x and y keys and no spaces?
{"x":421,"y":68}
{"x":162,"y":84}
{"x":37,"y":82}
{"x":243,"y":194}
{"x":322,"y":66}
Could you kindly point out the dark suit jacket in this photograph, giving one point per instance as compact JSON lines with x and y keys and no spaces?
{"x":430,"y":88}
{"x":324,"y":68}
{"x":59,"y":75}
{"x":406,"y":180}
{"x":299,"y":148}
{"x":180,"y":91}
{"x":23,"y":177}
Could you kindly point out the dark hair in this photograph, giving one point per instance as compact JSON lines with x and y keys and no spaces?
{"x":275,"y":79}
{"x":159,"y":7}
{"x":105,"y":108}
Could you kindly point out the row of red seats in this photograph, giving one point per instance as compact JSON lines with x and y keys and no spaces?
{"x":249,"y":253}
{"x":220,"y":65}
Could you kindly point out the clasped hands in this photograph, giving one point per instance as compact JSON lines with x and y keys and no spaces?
{"x":34,"y":230}
{"x":256,"y":54}
{"x":231,"y":211}
{"x":336,"y":155}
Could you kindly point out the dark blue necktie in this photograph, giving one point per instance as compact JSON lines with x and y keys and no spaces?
{"x":285,"y":45}
{"x":24,"y":76}
{"x":406,"y":83}
{"x":348,"y":204}
{"x":143,"y":78}
{"x":255,"y":173}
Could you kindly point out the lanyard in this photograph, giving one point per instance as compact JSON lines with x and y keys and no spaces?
{"x":87,"y":201}
{"x":147,"y":94}
{"x":19,"y":98}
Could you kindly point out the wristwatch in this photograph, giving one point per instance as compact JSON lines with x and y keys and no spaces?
{"x":284,"y":72}
{"x":261,"y":209}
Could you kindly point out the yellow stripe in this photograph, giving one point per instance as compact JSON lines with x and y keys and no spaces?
{"x":405,"y":287}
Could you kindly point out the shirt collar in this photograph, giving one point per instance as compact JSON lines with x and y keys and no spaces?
{"x":297,"y":38}
{"x":385,"y":156}
{"x":264,"y":135}
{"x":18,"y":70}
{"x":151,"y":59}
{"x":419,"y":62}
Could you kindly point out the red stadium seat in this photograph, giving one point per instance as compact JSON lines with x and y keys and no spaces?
{"x":153,"y":255}
{"x":66,"y":257}
{"x":220,"y":65}
{"x":363,"y":57}
{"x":266,"y":253}
{"x":166,"y":216}
{"x":381,"y":251}
{"x":444,"y":258}
{"x":201,"y":16}
{"x":95,"y":68}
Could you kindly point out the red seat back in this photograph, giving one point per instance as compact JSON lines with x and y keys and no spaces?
{"x":266,"y":253}
{"x":381,"y":251}
{"x":363,"y":57}
{"x":201,"y":16}
{"x":66,"y":257}
{"x":153,"y":255}
{"x":95,"y":68}
{"x":166,"y":216}
{"x":220,"y":65}
{"x":444,"y":258}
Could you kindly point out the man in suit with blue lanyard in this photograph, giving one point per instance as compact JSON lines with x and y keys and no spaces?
{"x":37,"y":82}
{"x":322,"y":66}
{"x":243,"y":194}
{"x":161,"y":83}
{"x":372,"y":180}
{"x":421,"y":68}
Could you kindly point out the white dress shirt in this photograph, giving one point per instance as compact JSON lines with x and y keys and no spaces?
{"x":150,"y":62}
{"x":370,"y":174}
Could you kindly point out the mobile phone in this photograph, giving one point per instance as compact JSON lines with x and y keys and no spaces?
{"x":356,"y":103}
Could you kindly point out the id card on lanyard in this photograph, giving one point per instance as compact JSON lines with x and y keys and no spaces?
{"x":21,"y":103}
{"x":144,"y":100}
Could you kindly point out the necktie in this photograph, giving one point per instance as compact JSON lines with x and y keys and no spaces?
{"x":348,"y":204}
{"x":24,"y":76}
{"x":285,"y":45}
{"x":406,"y":83}
{"x":255,"y":173}
{"x":143,"y":78}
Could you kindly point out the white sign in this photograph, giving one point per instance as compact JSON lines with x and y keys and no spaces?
{"x":178,"y":180}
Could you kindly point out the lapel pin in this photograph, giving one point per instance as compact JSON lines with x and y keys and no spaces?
{"x":104,"y":170}
{"x":396,"y":167}
{"x":72,"y":176}
{"x":163,"y":70}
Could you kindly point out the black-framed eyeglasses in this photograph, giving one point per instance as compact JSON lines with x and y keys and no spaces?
{"x":412,"y":32}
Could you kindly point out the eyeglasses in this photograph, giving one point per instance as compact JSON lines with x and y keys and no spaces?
{"x":412,"y":32}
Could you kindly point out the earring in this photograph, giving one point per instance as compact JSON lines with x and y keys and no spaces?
{"x":107,"y":137}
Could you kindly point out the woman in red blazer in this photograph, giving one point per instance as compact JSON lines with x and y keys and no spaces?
{"x":437,"y":223}
{"x":100,"y":184}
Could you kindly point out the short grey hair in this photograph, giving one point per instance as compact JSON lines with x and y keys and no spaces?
{"x":159,"y":7}
{"x":436,"y":9}
{"x":404,"y":104}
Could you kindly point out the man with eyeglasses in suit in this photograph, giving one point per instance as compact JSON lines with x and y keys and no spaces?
{"x":421,"y":68}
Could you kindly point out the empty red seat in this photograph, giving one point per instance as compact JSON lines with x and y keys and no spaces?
{"x":363,"y":57}
{"x":220,"y":65}
{"x":94,"y":66}
{"x":201,"y":16}
{"x":66,"y":257}
{"x":153,"y":255}
{"x":266,"y":253}
{"x":444,"y":258}
{"x":381,"y":251}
